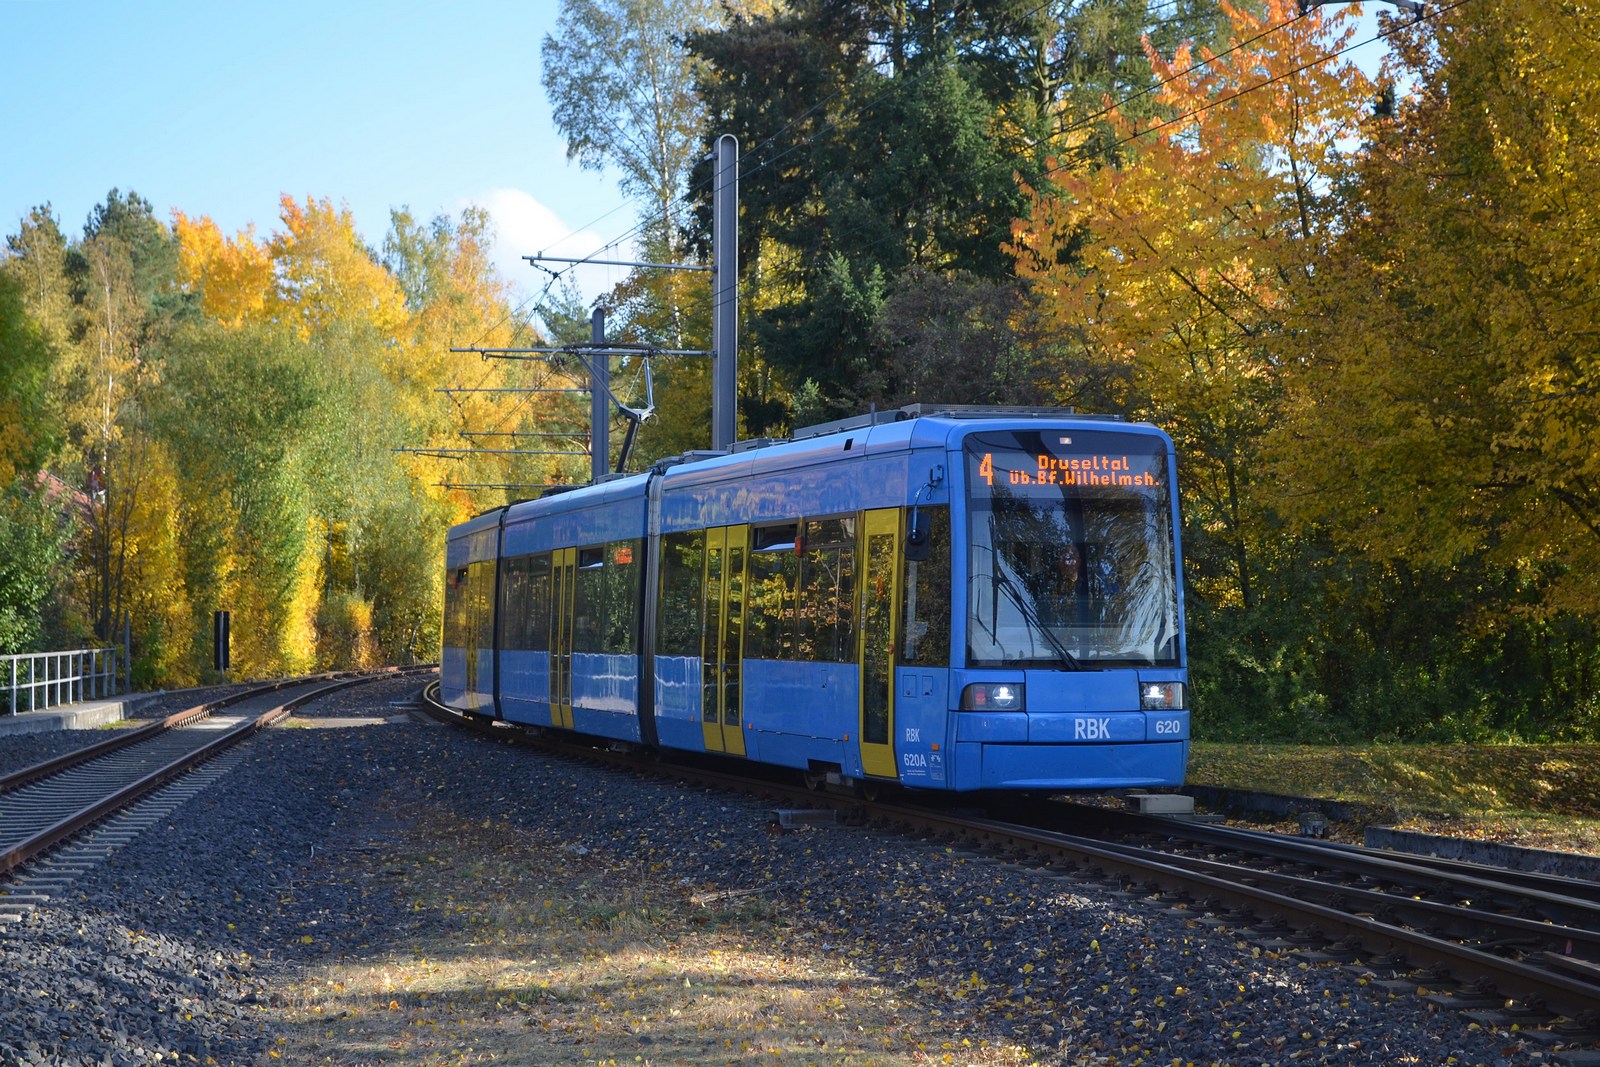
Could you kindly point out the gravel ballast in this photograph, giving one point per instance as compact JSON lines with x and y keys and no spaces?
{"x":168,"y":952}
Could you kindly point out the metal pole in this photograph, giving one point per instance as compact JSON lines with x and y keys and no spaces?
{"x":599,"y":398}
{"x":725,"y":316}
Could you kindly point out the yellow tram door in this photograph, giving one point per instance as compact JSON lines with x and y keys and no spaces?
{"x":880,"y":600}
{"x":563,"y":585}
{"x":722,"y":640}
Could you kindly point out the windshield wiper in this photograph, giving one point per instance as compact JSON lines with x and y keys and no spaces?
{"x":1030,"y":613}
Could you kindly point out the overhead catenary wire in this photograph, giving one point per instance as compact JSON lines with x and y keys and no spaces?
{"x":518,"y":434}
{"x":454,"y":453}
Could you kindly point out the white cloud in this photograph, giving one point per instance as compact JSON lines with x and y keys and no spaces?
{"x":524,"y":226}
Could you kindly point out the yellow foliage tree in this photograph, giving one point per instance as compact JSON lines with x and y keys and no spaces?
{"x":233,"y":277}
{"x":1446,"y":406}
{"x":1170,"y":278}
{"x":324,"y":275}
{"x":354,"y":349}
{"x":158,"y":597}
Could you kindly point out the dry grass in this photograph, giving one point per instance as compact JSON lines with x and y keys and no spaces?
{"x":544,"y":956}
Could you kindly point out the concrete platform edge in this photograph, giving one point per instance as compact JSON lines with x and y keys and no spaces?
{"x":88,"y":715}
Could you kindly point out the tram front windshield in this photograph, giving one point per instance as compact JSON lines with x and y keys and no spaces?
{"x":1071,"y":563}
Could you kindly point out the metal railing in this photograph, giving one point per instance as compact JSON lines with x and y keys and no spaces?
{"x":40,"y":680}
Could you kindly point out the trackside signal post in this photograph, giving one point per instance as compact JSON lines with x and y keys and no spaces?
{"x":221,"y":625}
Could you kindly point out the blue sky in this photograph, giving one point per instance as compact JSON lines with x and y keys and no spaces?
{"x":217,"y":108}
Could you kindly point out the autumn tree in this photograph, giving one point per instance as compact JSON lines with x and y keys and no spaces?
{"x":488,"y":422}
{"x":1454,"y":315}
{"x":27,"y":424}
{"x":123,"y":282}
{"x":369,"y":336}
{"x":1171,"y":277}
{"x":1440,"y":412}
{"x":313,"y":320}
{"x":36,"y":259}
{"x":33,"y":528}
{"x":164,"y":626}
{"x":882,"y":149}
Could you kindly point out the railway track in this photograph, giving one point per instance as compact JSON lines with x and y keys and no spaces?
{"x":1521,"y":949}
{"x":1510,"y":948}
{"x":65,"y":814}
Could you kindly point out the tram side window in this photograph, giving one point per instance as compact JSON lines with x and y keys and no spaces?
{"x":927,"y":587}
{"x":524,"y":603}
{"x":538,"y":603}
{"x":825,"y":605}
{"x":770,"y":593}
{"x":513,"y":602}
{"x":605,"y":605}
{"x":620,"y":588}
{"x":678,"y":611}
{"x":455,"y":602}
{"x":469,"y":607}
{"x":588,"y":602}
{"x":480,"y":604}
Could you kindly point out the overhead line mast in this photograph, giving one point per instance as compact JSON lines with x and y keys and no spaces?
{"x":725,"y":313}
{"x":595,"y":356}
{"x":724,"y":269}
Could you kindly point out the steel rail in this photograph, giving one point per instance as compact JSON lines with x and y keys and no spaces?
{"x":1462,"y":921}
{"x":1559,"y":890}
{"x":1562,"y":900}
{"x":42,"y":841}
{"x":1568,"y":995}
{"x":1565,"y":885}
{"x":127,"y":739}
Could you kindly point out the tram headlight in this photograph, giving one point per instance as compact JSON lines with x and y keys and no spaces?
{"x":1161,"y":696}
{"x":992,"y":696}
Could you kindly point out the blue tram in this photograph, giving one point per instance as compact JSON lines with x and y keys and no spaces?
{"x":953,"y":599}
